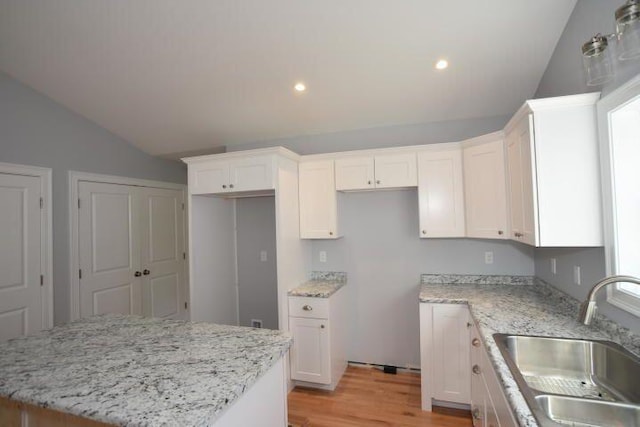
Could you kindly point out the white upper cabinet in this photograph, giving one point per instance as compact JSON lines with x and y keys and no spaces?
{"x":553,"y":168}
{"x":318,"y":200}
{"x":380,"y":171}
{"x":485,"y":187}
{"x":440,"y":193}
{"x":251,"y":173}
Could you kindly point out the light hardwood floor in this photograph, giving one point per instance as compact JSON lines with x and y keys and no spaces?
{"x":368,"y":397}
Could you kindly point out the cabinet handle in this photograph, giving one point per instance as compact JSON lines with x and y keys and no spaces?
{"x":230,"y":185}
{"x":469,"y":324}
{"x":475,"y":342}
{"x":307,"y":307}
{"x":517,"y":234}
{"x":424,"y":231}
{"x":378,"y":181}
{"x":146,"y":272}
{"x":369,"y":182}
{"x":224,"y":186}
{"x":137,"y":274}
{"x":321,"y":326}
{"x":476,"y":369}
{"x":331,"y":233}
{"x":500,"y":232}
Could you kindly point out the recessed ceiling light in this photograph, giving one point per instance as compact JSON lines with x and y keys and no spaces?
{"x":300,"y":87}
{"x":442,"y":64}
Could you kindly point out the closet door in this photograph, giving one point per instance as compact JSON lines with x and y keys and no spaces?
{"x":162,"y":248}
{"x":20,"y":256}
{"x":109,"y":241}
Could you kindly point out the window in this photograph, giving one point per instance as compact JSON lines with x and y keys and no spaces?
{"x":619,"y":124}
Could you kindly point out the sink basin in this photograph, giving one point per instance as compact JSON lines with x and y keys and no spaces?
{"x":574,"y":382}
{"x":588,"y":413}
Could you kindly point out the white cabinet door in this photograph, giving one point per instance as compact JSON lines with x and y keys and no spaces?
{"x":441,"y":194}
{"x":354,"y":173}
{"x":485,"y":190}
{"x":310,"y":353}
{"x":251,"y":174}
{"x":20,"y":256}
{"x":109,"y":235}
{"x":164,"y":290}
{"x":522,"y":180}
{"x":396,"y":170}
{"x":318,"y":200}
{"x":209,"y":177}
{"x":451,"y":368}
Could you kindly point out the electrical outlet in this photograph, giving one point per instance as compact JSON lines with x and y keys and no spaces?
{"x":323,"y":256}
{"x":488,"y":257}
{"x":256,"y":323}
{"x":553,"y":266}
{"x":576,"y":275}
{"x":263,"y":256}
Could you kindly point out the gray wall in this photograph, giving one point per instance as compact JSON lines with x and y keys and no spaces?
{"x":390,"y":136}
{"x":564,"y":76}
{"x":383,"y":256}
{"x":39,"y":132}
{"x":257,"y":280}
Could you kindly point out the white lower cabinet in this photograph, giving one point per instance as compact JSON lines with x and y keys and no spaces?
{"x":318,"y":354}
{"x":455,"y":366}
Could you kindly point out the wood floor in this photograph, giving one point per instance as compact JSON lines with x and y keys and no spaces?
{"x":368,"y":397}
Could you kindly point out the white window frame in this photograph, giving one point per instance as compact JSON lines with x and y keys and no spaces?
{"x":605,"y":107}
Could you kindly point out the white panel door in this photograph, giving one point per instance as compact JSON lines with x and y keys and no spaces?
{"x":109,"y":241}
{"x":485,"y":190}
{"x":441,"y":194}
{"x":162,"y":246}
{"x":452,"y":373}
{"x":20,"y":256}
{"x":310,"y":354}
{"x":354,"y":173}
{"x":396,"y":170}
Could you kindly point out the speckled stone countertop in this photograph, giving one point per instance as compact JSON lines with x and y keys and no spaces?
{"x":524,"y":309}
{"x":135,"y":371}
{"x":322,"y":285}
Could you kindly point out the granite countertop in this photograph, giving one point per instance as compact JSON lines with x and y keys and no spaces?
{"x":524,"y":306}
{"x":321,"y":285}
{"x":135,"y":371}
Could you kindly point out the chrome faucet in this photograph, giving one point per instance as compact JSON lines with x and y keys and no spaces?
{"x":588,"y":308}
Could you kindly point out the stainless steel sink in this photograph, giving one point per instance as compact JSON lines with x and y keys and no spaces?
{"x":588,"y":413}
{"x":575,"y":382}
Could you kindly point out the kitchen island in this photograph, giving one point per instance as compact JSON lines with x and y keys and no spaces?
{"x":518,"y":305}
{"x":136,"y":371}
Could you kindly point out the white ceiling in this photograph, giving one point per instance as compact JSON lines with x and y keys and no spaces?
{"x":173,"y":76}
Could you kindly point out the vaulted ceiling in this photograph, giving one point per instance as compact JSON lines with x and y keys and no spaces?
{"x":173,"y":76}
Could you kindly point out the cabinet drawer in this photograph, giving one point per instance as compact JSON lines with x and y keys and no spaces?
{"x":314,"y":308}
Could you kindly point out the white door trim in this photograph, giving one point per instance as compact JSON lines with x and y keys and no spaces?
{"x":46,"y":239}
{"x":74,"y":260}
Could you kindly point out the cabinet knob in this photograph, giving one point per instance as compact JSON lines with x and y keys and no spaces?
{"x":146,"y":272}
{"x":369,"y":182}
{"x":307,"y":307}
{"x":224,"y":186}
{"x":378,"y":181}
{"x":424,"y":231}
{"x":331,"y":233}
{"x":230,"y":185}
{"x":137,"y":274}
{"x":500,"y":232}
{"x":475,"y":342}
{"x":517,"y":234}
{"x":469,"y":324}
{"x":321,"y":326}
{"x":476,"y":369}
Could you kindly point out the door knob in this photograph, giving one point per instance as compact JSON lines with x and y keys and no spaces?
{"x":137,"y":274}
{"x":146,"y":272}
